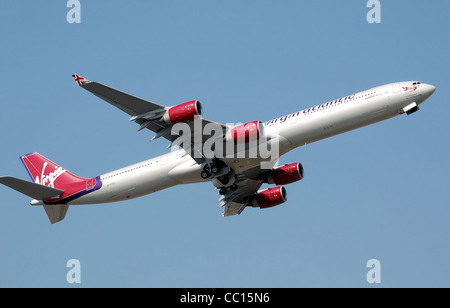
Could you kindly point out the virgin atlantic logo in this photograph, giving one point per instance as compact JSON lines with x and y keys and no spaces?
{"x":49,"y":179}
{"x":410,"y":89}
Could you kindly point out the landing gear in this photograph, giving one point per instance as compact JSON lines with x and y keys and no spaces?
{"x":205,"y":174}
{"x":224,"y":190}
{"x":221,"y":175}
{"x":214,"y":168}
{"x":223,"y":179}
{"x":207,"y":169}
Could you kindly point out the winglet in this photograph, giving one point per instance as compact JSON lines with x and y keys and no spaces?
{"x":80,"y":80}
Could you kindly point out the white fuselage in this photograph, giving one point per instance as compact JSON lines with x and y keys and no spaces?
{"x":295,"y":130}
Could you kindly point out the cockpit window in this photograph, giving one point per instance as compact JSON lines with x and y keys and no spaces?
{"x":417,"y":82}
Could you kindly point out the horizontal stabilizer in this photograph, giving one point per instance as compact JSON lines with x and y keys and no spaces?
{"x":33,"y":190}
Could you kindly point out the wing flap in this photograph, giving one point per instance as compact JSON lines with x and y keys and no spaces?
{"x":233,"y":208}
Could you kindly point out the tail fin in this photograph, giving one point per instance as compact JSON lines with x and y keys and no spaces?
{"x":46,"y":173}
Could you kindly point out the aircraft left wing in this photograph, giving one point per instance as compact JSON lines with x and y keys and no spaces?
{"x":150,"y":115}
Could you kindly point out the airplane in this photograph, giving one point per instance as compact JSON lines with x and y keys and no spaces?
{"x":238,"y":159}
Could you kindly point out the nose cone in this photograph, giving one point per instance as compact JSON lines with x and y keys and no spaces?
{"x":428,"y":90}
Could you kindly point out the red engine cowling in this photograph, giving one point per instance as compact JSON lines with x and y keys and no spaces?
{"x":247,"y":132}
{"x":286,"y":174}
{"x":182,"y":113}
{"x":270,"y":197}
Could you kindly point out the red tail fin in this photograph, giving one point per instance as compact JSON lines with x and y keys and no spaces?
{"x":45,"y":172}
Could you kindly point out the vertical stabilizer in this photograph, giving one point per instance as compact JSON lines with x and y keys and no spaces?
{"x":45,"y":172}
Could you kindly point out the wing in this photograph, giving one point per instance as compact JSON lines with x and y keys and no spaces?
{"x":248,"y":183}
{"x":125,"y":102}
{"x":145,"y":113}
{"x":234,"y":202}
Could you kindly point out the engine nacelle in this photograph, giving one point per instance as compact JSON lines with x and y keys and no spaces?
{"x":245,"y":133}
{"x":270,"y":197}
{"x":286,"y":174}
{"x":182,"y":113}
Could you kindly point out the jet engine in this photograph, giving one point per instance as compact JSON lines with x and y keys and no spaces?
{"x":182,"y":113}
{"x":270,"y":197}
{"x":286,"y":174}
{"x":245,"y":133}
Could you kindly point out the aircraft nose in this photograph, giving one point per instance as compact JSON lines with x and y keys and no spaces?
{"x":429,"y":89}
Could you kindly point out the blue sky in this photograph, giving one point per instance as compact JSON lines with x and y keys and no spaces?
{"x":380,"y":192}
